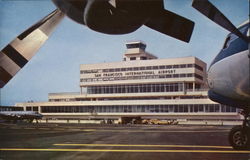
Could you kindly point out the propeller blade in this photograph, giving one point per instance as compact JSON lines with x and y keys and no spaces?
{"x":211,"y":12}
{"x":17,"y":53}
{"x":171,"y":24}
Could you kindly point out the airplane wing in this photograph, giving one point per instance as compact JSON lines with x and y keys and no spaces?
{"x":171,"y":24}
{"x":19,"y":115}
{"x":16,"y":54}
{"x":211,"y":12}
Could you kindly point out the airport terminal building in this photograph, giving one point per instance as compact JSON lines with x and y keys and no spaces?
{"x":140,"y":85}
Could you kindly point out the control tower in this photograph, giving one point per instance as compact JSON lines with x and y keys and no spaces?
{"x":136,"y":51}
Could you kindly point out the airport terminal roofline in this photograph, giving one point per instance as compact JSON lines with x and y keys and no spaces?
{"x":171,"y":61}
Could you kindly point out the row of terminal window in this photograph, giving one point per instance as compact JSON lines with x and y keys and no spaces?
{"x":139,"y":88}
{"x":142,"y":77}
{"x":142,"y":68}
{"x":127,"y":98}
{"x":32,"y":109}
{"x":189,"y":108}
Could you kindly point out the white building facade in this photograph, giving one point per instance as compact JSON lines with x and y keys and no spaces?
{"x":140,"y":85}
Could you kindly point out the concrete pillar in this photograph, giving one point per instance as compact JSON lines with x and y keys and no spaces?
{"x":193,"y":86}
{"x":184,"y":88}
{"x":220,"y":109}
{"x":39,"y":109}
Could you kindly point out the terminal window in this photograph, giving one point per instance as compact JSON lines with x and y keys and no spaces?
{"x":139,"y":108}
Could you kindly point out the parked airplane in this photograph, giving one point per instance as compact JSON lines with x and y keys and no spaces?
{"x":229,"y":73}
{"x":20,"y":115}
{"x":106,"y":16}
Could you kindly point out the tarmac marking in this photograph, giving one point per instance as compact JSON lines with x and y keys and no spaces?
{"x":142,"y":145}
{"x":119,"y":150}
{"x":45,"y":128}
{"x":88,"y":130}
{"x":151,"y":131}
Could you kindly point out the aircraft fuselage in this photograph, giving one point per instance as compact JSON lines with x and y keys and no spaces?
{"x":229,"y":73}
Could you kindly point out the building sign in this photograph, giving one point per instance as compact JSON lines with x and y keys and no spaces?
{"x":135,"y":73}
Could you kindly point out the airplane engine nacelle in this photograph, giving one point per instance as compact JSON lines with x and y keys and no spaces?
{"x":110,"y":16}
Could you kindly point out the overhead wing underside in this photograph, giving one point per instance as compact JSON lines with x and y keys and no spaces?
{"x":17,"y":53}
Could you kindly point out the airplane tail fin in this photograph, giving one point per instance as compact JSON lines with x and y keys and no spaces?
{"x":171,"y":24}
{"x":18,"y":52}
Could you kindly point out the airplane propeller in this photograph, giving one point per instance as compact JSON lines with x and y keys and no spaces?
{"x":126,"y":16}
{"x":105,"y":16}
{"x":18,"y":52}
{"x":211,"y":12}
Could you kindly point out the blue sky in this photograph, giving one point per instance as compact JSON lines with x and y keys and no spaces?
{"x":55,"y":68}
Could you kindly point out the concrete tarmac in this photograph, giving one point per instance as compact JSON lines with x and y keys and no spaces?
{"x":116,"y":142}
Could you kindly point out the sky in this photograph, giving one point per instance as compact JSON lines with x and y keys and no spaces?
{"x":56,"y":66}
